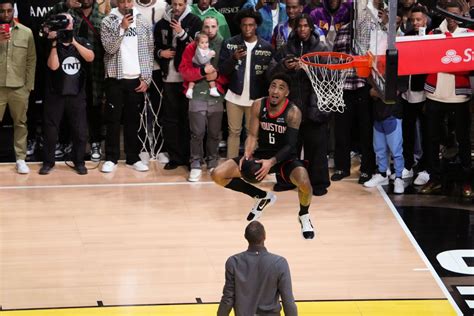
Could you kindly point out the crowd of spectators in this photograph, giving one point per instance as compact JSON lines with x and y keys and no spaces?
{"x":79,"y":85}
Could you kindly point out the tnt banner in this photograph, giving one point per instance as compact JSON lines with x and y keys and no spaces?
{"x":435,"y":53}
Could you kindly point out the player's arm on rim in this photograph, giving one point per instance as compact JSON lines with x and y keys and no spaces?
{"x":252,"y":137}
{"x":291,"y":139}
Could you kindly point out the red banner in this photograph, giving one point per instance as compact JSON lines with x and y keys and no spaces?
{"x":435,"y":53}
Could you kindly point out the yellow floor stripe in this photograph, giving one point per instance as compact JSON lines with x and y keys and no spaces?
{"x":346,"y":308}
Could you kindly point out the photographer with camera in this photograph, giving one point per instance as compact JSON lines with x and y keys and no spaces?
{"x":272,"y":11}
{"x":128,"y":44}
{"x":65,"y":90}
{"x":88,"y":19}
{"x":17,"y":77}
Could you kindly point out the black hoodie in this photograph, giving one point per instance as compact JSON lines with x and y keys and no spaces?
{"x":302,"y":93}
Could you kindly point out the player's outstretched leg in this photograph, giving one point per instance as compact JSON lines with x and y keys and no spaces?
{"x":228,"y":176}
{"x":299,"y":177}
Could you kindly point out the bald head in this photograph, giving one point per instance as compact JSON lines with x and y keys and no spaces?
{"x":255,"y":233}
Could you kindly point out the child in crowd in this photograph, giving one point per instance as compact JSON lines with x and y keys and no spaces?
{"x":387,"y":134}
{"x":202,"y":58}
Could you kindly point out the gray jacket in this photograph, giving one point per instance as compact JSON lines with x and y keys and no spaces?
{"x":254,"y":281}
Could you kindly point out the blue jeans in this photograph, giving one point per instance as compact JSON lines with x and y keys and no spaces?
{"x":388,"y":133}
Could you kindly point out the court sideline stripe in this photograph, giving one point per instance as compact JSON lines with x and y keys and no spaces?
{"x":418,"y":249}
{"x":100,"y":304}
{"x":107,"y":185}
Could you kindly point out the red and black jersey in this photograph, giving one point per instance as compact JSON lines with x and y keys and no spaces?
{"x":272,"y":130}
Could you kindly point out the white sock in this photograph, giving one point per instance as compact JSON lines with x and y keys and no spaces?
{"x":213,"y":92}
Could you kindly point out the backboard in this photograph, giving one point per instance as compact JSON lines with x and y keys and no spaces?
{"x":371,"y":36}
{"x":394,"y":56}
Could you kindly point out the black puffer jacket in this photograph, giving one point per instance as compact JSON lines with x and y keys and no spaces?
{"x":302,"y":93}
{"x":163,"y":34}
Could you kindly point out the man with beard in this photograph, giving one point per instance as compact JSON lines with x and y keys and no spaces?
{"x":128,"y":44}
{"x":205,"y":110}
{"x":314,"y":125}
{"x":17,"y":76}
{"x":172,"y":34}
{"x":31,"y":13}
{"x":203,"y":10}
{"x":87,"y":22}
{"x":272,"y":138}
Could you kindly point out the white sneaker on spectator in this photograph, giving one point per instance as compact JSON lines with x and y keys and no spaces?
{"x":405,"y":174}
{"x":377,"y":179}
{"x":58,"y":151}
{"x":194,"y":175}
{"x":331,"y":163}
{"x":422,"y":178}
{"x":31,"y":147}
{"x":96,"y":152}
{"x":398,"y":186}
{"x":108,"y":167}
{"x":139,"y":166}
{"x":163,"y":158}
{"x":22,"y":167}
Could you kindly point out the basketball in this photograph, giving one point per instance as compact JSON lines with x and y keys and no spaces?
{"x":249,"y":167}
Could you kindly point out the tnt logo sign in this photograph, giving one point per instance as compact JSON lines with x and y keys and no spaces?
{"x":451,"y":57}
{"x":71,"y":66}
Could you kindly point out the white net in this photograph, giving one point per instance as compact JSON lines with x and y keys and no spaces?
{"x":327,"y":83}
{"x":150,"y":132}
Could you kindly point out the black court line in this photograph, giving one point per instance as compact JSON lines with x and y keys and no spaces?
{"x":211,"y":303}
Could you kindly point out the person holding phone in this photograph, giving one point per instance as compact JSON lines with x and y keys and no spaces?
{"x":17,"y":77}
{"x":128,"y":43}
{"x":173,"y":33}
{"x":65,"y":95}
{"x":244,"y":59}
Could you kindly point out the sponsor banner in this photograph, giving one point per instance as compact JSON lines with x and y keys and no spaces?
{"x":435,"y":53}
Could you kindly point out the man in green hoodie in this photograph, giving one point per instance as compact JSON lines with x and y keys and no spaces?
{"x":203,"y":10}
{"x":203,"y":107}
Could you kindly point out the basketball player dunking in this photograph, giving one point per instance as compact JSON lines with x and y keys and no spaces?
{"x":274,"y":125}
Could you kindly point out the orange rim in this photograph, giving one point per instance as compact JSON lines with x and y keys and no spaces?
{"x":362,"y":64}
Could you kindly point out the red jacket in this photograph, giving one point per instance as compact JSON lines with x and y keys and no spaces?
{"x":190,"y":72}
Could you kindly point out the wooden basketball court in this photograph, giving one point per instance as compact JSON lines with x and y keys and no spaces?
{"x":156,"y":240}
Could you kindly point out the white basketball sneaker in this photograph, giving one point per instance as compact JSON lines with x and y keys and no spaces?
{"x":307,"y":229}
{"x":260,"y":205}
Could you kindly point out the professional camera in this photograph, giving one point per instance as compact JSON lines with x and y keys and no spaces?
{"x":55,"y":23}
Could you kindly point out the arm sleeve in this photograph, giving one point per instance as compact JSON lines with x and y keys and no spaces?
{"x":291,"y":139}
{"x":286,"y":291}
{"x":110,"y":35}
{"x":30,"y":63}
{"x":228,"y":293}
{"x":226,"y":60}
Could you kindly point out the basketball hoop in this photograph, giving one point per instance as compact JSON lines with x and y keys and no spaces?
{"x":328,"y":72}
